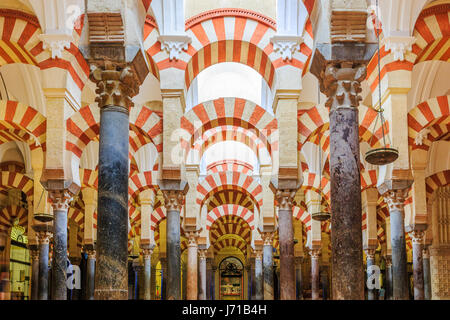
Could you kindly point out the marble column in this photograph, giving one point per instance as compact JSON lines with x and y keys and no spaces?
{"x":163,"y":278}
{"x":209,"y":279}
{"x":286,"y":241}
{"x":173,"y":201}
{"x":315,"y":255}
{"x":426,"y":273}
{"x":60,"y":203}
{"x":152,"y":282}
{"x":34,"y":252}
{"x":370,"y":261}
{"x":253,"y":297}
{"x":389,"y":288}
{"x":202,"y":274}
{"x":90,"y":270}
{"x":395,"y":200}
{"x":324,"y":281}
{"x":258,"y":276}
{"x":417,"y":237}
{"x":213,"y":282}
{"x":341,"y":83}
{"x":147,"y":255}
{"x":268,"y":265}
{"x":192,"y":267}
{"x":298,"y":277}
{"x":44,"y":243}
{"x":116,"y":85}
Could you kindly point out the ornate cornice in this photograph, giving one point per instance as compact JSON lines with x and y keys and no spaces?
{"x":230,"y":12}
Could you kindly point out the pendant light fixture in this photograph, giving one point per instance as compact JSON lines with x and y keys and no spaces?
{"x":43,"y":217}
{"x":385,"y":154}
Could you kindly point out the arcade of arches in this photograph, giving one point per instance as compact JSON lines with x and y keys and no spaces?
{"x":206,"y":149}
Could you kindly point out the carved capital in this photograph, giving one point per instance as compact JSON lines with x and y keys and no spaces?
{"x":425,"y":253}
{"x":341,"y":83}
{"x":370,"y":253}
{"x":417,"y":236}
{"x":192,"y":238}
{"x":286,"y":46}
{"x":396,"y":199}
{"x":258,"y":254}
{"x":173,"y":199}
{"x":398,"y":46}
{"x":315,"y":253}
{"x":285,"y":198}
{"x":60,"y":199}
{"x":202,"y":253}
{"x":91,"y":254}
{"x":267,"y":238}
{"x":147,"y":253}
{"x":43,"y":237}
{"x":34,"y":253}
{"x":298,"y":261}
{"x":55,"y":43}
{"x":116,"y":84}
{"x":174,"y":45}
{"x":388,"y":260}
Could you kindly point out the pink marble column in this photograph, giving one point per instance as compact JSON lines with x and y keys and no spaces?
{"x":315,"y":255}
{"x":192,"y":269}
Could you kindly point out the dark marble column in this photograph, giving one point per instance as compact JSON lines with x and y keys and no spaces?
{"x":418,"y":272}
{"x":252,"y":266}
{"x":340,"y":81}
{"x":174,"y":193}
{"x":152,"y":282}
{"x":315,"y":266}
{"x":60,"y":203}
{"x":209,"y":279}
{"x":116,"y":85}
{"x":370,"y":261}
{"x":34,"y":252}
{"x":213,"y":283}
{"x":298,"y":277}
{"x":44,"y":243}
{"x":90,"y":274}
{"x":325,"y":282}
{"x":192,"y":266}
{"x":268,"y":265}
{"x":202,"y":274}
{"x":163,"y":278}
{"x":426,"y":273}
{"x":389,"y":288}
{"x":286,"y":241}
{"x":147,"y":255}
{"x":184,"y":281}
{"x":259,"y":295}
{"x":395,"y":199}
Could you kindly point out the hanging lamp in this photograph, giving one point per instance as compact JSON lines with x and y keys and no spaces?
{"x":43,"y":217}
{"x":385,"y":154}
{"x":321,"y":215}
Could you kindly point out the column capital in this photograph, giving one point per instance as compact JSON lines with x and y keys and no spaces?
{"x":417,"y":236}
{"x":192,"y":238}
{"x":395,"y":198}
{"x":268,"y":238}
{"x":388,"y":260}
{"x":91,"y":254}
{"x":44,"y":237}
{"x":147,"y":253}
{"x":173,"y":199}
{"x":315,"y":253}
{"x":298,"y":260}
{"x":116,"y":82}
{"x":285,"y":198}
{"x":258,"y":254}
{"x":370,"y":253}
{"x":34,"y":253}
{"x":425,"y":252}
{"x":60,"y":198}
{"x":202,"y":253}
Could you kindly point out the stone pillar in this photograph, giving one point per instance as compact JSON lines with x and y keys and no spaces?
{"x":370,"y":261}
{"x":417,"y":237}
{"x":286,"y":240}
{"x":209,"y":279}
{"x":315,"y":255}
{"x":60,"y":203}
{"x":192,"y":267}
{"x":389,"y":286}
{"x":147,"y":255}
{"x":298,"y":277}
{"x":213,"y":282}
{"x":116,"y":85}
{"x":324,"y":281}
{"x":259,"y":295}
{"x":268,"y":265}
{"x":174,"y":193}
{"x":90,"y":270}
{"x":426,"y":273}
{"x":340,"y":81}
{"x":44,"y":242}
{"x":202,"y":290}
{"x":252,"y":266}
{"x":163,"y":278}
{"x":34,"y":252}
{"x":395,"y":199}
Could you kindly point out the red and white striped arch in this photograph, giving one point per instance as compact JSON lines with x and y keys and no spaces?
{"x":16,"y":180}
{"x":19,"y":43}
{"x":19,"y":122}
{"x":230,"y":210}
{"x":311,"y":181}
{"x":435,"y":111}
{"x":10,"y":214}
{"x":368,"y":179}
{"x":440,"y":179}
{"x":77,"y":216}
{"x":301,"y":213}
{"x":157,"y":216}
{"x":142,"y":181}
{"x":84,"y":127}
{"x":235,"y":243}
{"x":227,"y":225}
{"x":89,"y":178}
{"x":229,"y":180}
{"x":229,"y":112}
{"x":230,"y":165}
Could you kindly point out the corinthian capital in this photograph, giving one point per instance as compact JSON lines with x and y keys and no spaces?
{"x":267,"y":238}
{"x":173,"y":199}
{"x":192,"y":237}
{"x":60,"y":199}
{"x":285,"y":198}
{"x":116,"y":82}
{"x":417,"y":236}
{"x":396,"y":199}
